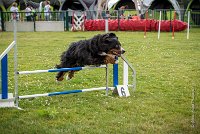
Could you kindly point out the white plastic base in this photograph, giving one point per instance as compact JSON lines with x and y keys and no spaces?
{"x":7,"y":102}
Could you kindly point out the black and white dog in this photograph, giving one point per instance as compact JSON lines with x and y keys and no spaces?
{"x":101,"y":49}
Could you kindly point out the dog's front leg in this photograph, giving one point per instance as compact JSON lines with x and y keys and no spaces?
{"x":110,"y":59}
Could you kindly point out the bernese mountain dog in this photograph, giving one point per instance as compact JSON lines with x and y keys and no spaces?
{"x":98,"y":50}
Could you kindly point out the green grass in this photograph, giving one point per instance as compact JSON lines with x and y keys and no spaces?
{"x":167,"y":72}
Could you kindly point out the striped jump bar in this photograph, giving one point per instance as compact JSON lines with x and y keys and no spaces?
{"x":65,"y":92}
{"x":60,"y":69}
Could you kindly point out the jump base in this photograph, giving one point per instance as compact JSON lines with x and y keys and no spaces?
{"x":7,"y":102}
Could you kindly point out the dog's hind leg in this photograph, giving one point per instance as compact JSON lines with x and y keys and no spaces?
{"x":60,"y":76}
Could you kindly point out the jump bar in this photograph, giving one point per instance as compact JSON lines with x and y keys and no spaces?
{"x":60,"y":69}
{"x":64,"y":92}
{"x":7,"y":50}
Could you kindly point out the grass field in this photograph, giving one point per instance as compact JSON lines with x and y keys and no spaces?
{"x":168,"y":73}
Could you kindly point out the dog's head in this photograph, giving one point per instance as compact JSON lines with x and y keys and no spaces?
{"x":110,"y":44}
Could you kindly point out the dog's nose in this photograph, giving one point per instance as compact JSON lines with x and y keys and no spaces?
{"x":123,"y":51}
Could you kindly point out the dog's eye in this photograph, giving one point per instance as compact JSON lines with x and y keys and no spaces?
{"x":117,"y":46}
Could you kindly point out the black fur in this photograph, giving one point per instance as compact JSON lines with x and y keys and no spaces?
{"x":89,"y":52}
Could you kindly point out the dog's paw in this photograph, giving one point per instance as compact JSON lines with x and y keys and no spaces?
{"x":116,"y":61}
{"x":68,"y":77}
{"x":57,"y":81}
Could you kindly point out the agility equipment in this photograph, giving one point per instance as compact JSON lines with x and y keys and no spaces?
{"x":64,"y":92}
{"x":60,"y":70}
{"x":159,"y":25}
{"x":133,"y":25}
{"x":4,"y":70}
{"x":174,"y":25}
{"x":7,"y":99}
{"x":115,"y":81}
{"x":15,"y":99}
{"x":106,"y":24}
{"x":188,"y":26}
{"x":78,"y":21}
{"x":145,"y":28}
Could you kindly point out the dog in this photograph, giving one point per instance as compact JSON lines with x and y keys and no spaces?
{"x":98,"y":50}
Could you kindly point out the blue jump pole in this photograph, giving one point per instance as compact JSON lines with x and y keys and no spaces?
{"x":115,"y":75}
{"x":4,"y":77}
{"x":64,"y":92}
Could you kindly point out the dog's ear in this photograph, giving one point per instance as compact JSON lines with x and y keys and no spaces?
{"x":111,"y":35}
{"x":111,"y":39}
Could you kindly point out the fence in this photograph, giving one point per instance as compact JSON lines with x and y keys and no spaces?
{"x":36,"y":17}
{"x":66,"y":16}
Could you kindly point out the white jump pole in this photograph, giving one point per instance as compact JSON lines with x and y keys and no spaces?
{"x":106,"y":24}
{"x":125,"y":78}
{"x":125,"y":73}
{"x":188,"y":26}
{"x":107,"y":79}
{"x":159,"y":25}
{"x":15,"y":60}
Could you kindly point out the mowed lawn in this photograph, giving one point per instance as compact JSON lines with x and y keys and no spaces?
{"x":167,"y":98}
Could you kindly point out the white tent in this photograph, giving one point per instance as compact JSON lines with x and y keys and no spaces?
{"x":144,"y":5}
{"x":147,"y":3}
{"x":137,"y":4}
{"x":111,"y":3}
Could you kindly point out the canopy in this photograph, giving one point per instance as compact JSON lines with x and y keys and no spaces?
{"x":147,"y":4}
{"x":111,"y":3}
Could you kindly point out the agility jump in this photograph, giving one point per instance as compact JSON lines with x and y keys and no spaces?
{"x":7,"y":100}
